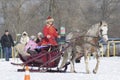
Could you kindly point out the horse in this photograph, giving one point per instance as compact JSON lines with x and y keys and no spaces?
{"x":85,"y":45}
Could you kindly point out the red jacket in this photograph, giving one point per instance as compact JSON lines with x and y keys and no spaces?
{"x":52,"y":32}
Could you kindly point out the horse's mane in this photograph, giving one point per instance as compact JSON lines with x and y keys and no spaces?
{"x":82,"y":37}
{"x":92,"y":31}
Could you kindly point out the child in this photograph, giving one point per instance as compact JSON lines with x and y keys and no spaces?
{"x":31,"y":45}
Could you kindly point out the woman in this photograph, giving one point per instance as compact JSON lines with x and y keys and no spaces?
{"x":39,"y":37}
{"x":25,"y":38}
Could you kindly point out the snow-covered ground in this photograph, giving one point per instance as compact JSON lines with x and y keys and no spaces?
{"x":109,"y":69}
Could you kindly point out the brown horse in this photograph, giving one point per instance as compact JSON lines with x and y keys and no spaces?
{"x":85,"y":45}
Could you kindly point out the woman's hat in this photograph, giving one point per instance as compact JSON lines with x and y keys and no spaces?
{"x":39,"y":34}
{"x":49,"y":19}
{"x":24,"y":33}
{"x":32,"y":37}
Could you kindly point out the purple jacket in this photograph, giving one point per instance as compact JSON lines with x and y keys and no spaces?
{"x":31,"y":45}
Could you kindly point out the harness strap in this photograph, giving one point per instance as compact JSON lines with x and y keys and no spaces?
{"x":104,"y":34}
{"x":95,"y":45}
{"x":68,"y":40}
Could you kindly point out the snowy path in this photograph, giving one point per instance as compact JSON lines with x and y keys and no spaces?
{"x":109,"y":69}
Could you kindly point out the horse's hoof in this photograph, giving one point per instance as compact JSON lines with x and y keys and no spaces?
{"x":88,"y":72}
{"x":77,"y":61}
{"x":73,"y":71}
{"x":94,"y":71}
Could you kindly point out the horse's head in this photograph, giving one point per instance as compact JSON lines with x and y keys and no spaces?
{"x":103,"y":29}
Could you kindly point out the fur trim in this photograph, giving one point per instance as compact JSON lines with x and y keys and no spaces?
{"x":25,"y":33}
{"x":39,"y":33}
{"x":48,"y":20}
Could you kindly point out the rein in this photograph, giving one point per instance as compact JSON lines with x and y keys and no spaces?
{"x":82,"y":36}
{"x":96,"y":45}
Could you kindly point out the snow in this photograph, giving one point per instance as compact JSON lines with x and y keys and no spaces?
{"x":109,"y":69}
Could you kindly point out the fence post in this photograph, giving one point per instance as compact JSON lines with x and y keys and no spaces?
{"x":114,"y":49}
{"x":108,"y":48}
{"x":101,"y":50}
{"x":1,"y":52}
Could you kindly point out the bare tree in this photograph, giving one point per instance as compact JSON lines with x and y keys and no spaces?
{"x":30,"y":15}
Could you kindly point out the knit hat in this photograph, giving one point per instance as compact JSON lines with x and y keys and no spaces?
{"x":39,"y":33}
{"x":32,"y":37}
{"x":49,"y":19}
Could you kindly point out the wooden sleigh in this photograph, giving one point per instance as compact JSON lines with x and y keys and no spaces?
{"x":47,"y":59}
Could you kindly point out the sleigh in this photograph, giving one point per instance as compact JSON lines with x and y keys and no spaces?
{"x":45,"y":61}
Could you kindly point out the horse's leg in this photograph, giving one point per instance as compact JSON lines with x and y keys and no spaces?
{"x":69,"y":58}
{"x":66,"y":57}
{"x":72,"y":60}
{"x":72,"y":69}
{"x":64,"y":60}
{"x":79,"y":54}
{"x":97,"y":64}
{"x":86,"y":57}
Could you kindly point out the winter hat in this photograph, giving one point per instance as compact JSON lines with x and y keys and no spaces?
{"x":32,"y":37}
{"x":49,"y":19}
{"x":24,"y":33}
{"x":6,"y":30}
{"x":39,"y":34}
